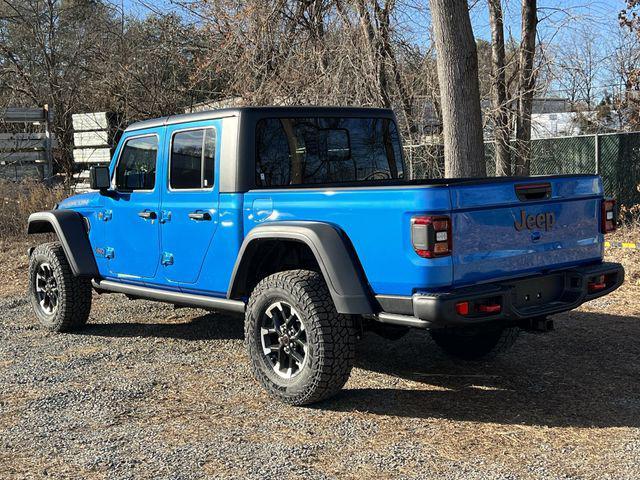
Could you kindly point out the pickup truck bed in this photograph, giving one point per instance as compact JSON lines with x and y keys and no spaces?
{"x":486,"y":244}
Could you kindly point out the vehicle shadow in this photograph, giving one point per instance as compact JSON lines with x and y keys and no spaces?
{"x":209,"y":326}
{"x":585,"y":373}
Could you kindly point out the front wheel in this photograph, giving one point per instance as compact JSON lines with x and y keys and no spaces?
{"x":475,"y":343}
{"x":61,"y":301}
{"x":301,"y":349}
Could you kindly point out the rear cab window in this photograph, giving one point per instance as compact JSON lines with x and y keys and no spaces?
{"x":322,"y":150}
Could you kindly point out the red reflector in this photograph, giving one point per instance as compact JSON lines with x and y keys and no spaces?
{"x":489,"y":308}
{"x":598,"y":284}
{"x":462,"y":308}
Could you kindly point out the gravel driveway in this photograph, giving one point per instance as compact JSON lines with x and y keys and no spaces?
{"x":146,"y":391}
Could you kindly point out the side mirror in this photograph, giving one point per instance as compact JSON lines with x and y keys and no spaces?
{"x":99,"y":178}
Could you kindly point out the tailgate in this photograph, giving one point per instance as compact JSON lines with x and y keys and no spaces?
{"x":506,"y":228}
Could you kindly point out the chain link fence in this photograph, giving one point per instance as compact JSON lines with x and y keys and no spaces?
{"x":614,"y":156}
{"x":425,"y":160}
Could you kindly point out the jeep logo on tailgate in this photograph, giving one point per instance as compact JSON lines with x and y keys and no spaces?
{"x":543,"y":220}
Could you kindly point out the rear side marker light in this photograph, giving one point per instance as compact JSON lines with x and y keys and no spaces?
{"x":608,"y":217}
{"x":431,"y":235}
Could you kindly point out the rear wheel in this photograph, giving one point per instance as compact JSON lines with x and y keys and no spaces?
{"x":301,"y":349}
{"x":472,"y":343}
{"x":61,"y":301}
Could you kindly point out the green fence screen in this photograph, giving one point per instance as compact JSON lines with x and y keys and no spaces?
{"x":614,"y":156}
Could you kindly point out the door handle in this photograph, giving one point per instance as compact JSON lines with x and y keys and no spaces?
{"x":147,"y":215}
{"x":200,"y":216}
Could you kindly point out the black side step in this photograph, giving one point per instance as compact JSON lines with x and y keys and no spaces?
{"x":200,"y":301}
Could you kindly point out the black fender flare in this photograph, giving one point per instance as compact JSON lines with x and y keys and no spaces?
{"x":338,"y":264}
{"x":71,"y":230}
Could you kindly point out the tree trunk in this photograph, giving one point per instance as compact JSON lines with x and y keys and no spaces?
{"x":375,"y":53}
{"x":526,"y":84}
{"x":499,"y":91}
{"x":457,"y":62}
{"x":383,"y":16}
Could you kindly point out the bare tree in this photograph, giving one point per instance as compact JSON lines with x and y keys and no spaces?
{"x":526,"y":84}
{"x":629,"y":100}
{"x":459,"y":89}
{"x":80,"y":55}
{"x":580,"y":65}
{"x":500,"y":107}
{"x":339,"y":52}
{"x":45,"y":50}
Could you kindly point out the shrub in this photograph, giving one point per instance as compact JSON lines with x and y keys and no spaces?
{"x":18,"y":200}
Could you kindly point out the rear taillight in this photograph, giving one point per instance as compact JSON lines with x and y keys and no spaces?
{"x":431,"y":235}
{"x":608,"y":219}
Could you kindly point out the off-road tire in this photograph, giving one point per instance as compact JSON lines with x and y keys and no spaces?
{"x":468,"y":343}
{"x":74,"y":293}
{"x":330,"y":337}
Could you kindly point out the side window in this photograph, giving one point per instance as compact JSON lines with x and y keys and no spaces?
{"x":137,"y":165}
{"x":192,"y":159}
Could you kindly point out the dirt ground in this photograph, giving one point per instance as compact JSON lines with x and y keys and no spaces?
{"x":146,"y":391}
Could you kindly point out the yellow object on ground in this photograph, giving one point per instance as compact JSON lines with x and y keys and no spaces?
{"x":620,"y":245}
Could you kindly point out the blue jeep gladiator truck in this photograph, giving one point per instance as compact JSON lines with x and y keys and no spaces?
{"x":304,"y":220}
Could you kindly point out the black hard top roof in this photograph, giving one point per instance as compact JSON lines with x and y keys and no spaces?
{"x":263,"y":112}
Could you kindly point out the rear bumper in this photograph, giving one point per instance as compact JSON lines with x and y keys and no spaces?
{"x":519,"y":299}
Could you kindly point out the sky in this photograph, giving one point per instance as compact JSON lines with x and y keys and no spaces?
{"x":554,"y":14}
{"x":559,"y":20}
